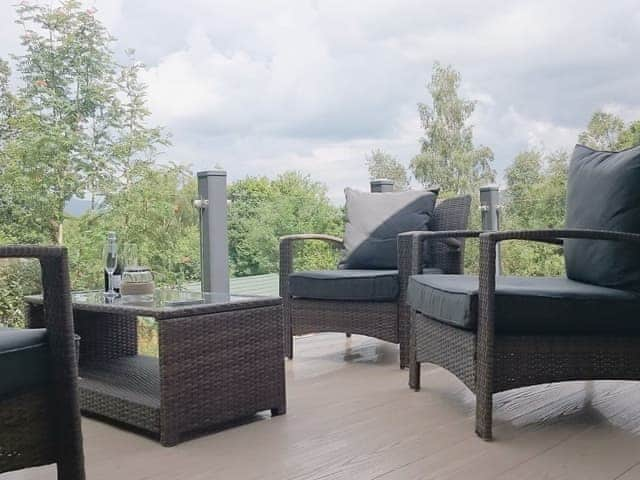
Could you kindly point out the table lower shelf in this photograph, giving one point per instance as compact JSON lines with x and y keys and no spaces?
{"x":125,"y":390}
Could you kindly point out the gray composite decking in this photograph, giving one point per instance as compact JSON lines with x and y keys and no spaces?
{"x":352,"y":416}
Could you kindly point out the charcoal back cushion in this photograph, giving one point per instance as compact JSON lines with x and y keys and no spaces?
{"x":374,"y":221}
{"x":603,"y":193}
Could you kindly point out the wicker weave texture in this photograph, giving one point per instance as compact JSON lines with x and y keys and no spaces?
{"x":213,"y":370}
{"x":364,"y":318}
{"x":488,"y":363}
{"x":212,"y":367}
{"x":22,"y":446}
{"x":43,"y":426}
{"x":385,"y":320}
{"x":125,"y":390}
{"x":104,"y":336}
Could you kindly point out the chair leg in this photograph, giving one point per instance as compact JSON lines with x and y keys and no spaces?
{"x":484,"y":415}
{"x":288,"y":327}
{"x":404,"y":355}
{"x":289,"y":345}
{"x":414,"y":375}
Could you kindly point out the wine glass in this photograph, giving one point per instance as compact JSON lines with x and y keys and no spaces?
{"x":110,"y":261}
{"x":129,"y":256}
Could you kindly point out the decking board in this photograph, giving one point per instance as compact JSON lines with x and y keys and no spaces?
{"x":352,"y":416}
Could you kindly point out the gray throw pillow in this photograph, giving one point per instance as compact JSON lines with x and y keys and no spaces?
{"x":374,"y":221}
{"x":603,"y":193}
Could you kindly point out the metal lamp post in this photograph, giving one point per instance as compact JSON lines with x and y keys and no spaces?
{"x":214,"y":248}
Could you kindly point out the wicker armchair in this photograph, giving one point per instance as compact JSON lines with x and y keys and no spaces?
{"x":39,"y":410}
{"x":386,"y":320}
{"x":488,"y":359}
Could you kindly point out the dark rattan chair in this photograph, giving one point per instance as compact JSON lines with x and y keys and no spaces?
{"x":500,"y":333}
{"x":39,"y":412}
{"x":489,"y":358}
{"x":387,"y":320}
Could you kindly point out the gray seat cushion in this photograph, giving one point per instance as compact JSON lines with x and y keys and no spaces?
{"x":528,"y":305}
{"x":24,"y":359}
{"x":603,"y":193}
{"x":374,"y":221}
{"x":371,"y":285}
{"x":359,"y":285}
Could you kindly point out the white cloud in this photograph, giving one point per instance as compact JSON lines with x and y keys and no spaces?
{"x":628,"y":113}
{"x":540,"y":134}
{"x":265,"y":86}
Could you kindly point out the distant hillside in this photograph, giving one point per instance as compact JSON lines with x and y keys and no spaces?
{"x":77,"y":206}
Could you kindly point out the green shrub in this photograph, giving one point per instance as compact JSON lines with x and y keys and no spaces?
{"x":17,"y":279}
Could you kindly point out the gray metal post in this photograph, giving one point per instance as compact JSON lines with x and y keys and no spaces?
{"x":381,"y":185}
{"x":212,"y":189}
{"x":490,"y":210}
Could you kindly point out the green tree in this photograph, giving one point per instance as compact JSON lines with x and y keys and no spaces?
{"x":535,"y":199}
{"x":7,"y":103}
{"x":603,"y":131}
{"x":384,"y":165}
{"x":448,"y":155}
{"x":262,"y":210}
{"x":166,"y":234}
{"x":630,"y":136}
{"x":36,"y":180}
{"x":136,"y":144}
{"x":66,"y":74}
{"x":77,"y":111}
{"x":522,"y":177}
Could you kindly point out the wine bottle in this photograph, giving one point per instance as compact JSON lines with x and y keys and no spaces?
{"x":117,"y":278}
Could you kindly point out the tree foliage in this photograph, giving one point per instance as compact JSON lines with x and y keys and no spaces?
{"x":263,"y":209}
{"x":156,"y":214}
{"x":607,"y":131}
{"x":630,"y":136}
{"x":381,"y":164}
{"x":448,"y":155}
{"x":536,"y":191}
{"x":76,"y":121}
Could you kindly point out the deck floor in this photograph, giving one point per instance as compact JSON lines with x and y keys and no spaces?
{"x":352,"y":416}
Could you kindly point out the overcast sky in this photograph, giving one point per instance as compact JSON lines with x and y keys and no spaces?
{"x":260,"y":87}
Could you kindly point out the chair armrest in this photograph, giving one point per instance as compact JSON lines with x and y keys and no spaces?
{"x":286,"y":255}
{"x":489,"y":240}
{"x":312,"y":236}
{"x":448,"y":236}
{"x":411,"y":248}
{"x":487,"y":281}
{"x":558,"y":235}
{"x":56,"y":290}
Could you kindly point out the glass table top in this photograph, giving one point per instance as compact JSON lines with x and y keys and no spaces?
{"x":163,"y":298}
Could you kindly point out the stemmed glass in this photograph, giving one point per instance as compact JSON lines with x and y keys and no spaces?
{"x":110,"y":261}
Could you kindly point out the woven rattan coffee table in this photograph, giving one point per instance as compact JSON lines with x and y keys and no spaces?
{"x":220,"y":359}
